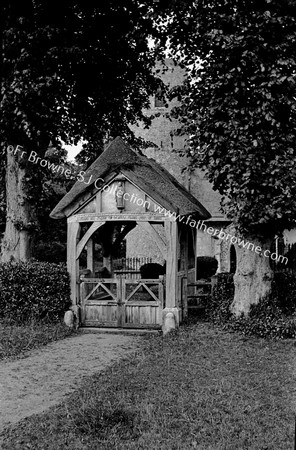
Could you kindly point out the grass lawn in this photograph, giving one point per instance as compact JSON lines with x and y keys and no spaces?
{"x":17,"y":340}
{"x":201,"y":388}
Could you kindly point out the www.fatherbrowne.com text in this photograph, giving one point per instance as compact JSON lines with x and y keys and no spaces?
{"x":187,"y":220}
{"x":200,"y":225}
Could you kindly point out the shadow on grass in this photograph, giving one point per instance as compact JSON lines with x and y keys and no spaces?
{"x":198,"y":388}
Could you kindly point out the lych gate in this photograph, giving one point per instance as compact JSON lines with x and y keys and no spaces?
{"x":121,"y":302}
{"x":123,"y":190}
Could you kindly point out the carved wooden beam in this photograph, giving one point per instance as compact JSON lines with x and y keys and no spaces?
{"x":83,"y":241}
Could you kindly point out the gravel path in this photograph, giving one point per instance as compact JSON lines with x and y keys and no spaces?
{"x":33,"y":384}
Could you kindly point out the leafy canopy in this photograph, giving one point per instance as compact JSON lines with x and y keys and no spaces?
{"x":74,"y":70}
{"x":238,"y":105}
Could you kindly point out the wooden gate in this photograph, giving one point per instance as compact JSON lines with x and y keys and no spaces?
{"x":142,"y":303}
{"x":100,"y":301}
{"x":121,"y":303}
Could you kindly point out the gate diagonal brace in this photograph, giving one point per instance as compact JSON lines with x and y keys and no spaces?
{"x":134,"y":291}
{"x":104,"y":287}
{"x":150,"y":292}
{"x":141,"y":284}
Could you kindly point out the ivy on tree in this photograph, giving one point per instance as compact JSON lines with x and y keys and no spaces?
{"x":238,"y":107}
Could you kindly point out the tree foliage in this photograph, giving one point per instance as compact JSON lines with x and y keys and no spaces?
{"x":238,"y":105}
{"x":72,"y":71}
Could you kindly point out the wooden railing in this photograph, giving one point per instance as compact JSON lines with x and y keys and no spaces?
{"x":131,"y":264}
{"x":129,"y":268}
{"x":193,"y":295}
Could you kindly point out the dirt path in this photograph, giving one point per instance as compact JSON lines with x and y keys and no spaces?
{"x":32,"y":385}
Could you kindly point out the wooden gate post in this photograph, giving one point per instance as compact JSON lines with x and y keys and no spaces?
{"x":184,"y":288}
{"x":171,"y":307}
{"x":83,"y":293}
{"x":120,"y":288}
{"x":90,"y":256}
{"x":184,"y":281}
{"x":72,"y":262}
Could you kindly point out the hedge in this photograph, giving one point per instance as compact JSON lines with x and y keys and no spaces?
{"x":218,"y":307}
{"x":33,"y":290}
{"x":274,"y":316}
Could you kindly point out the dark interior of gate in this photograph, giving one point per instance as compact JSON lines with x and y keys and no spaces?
{"x":116,"y":290}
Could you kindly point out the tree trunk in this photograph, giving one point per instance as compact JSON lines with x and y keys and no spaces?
{"x":20,"y":213}
{"x":253,"y":276}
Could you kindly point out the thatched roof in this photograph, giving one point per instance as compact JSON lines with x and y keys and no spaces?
{"x":148,"y":175}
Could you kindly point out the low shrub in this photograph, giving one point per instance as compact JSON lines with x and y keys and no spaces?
{"x":266,"y":320}
{"x":104,"y":273}
{"x":33,"y":290}
{"x":274,"y":316}
{"x":152,"y":270}
{"x":218,"y":306}
{"x":284,"y":291}
{"x":206,"y":267}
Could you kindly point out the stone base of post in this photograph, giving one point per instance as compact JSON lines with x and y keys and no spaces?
{"x":170,"y":320}
{"x":76,"y":312}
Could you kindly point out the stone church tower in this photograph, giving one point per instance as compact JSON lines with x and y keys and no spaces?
{"x":165,"y":149}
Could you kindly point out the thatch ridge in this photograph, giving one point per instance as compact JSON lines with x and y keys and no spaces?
{"x":146,"y":173}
